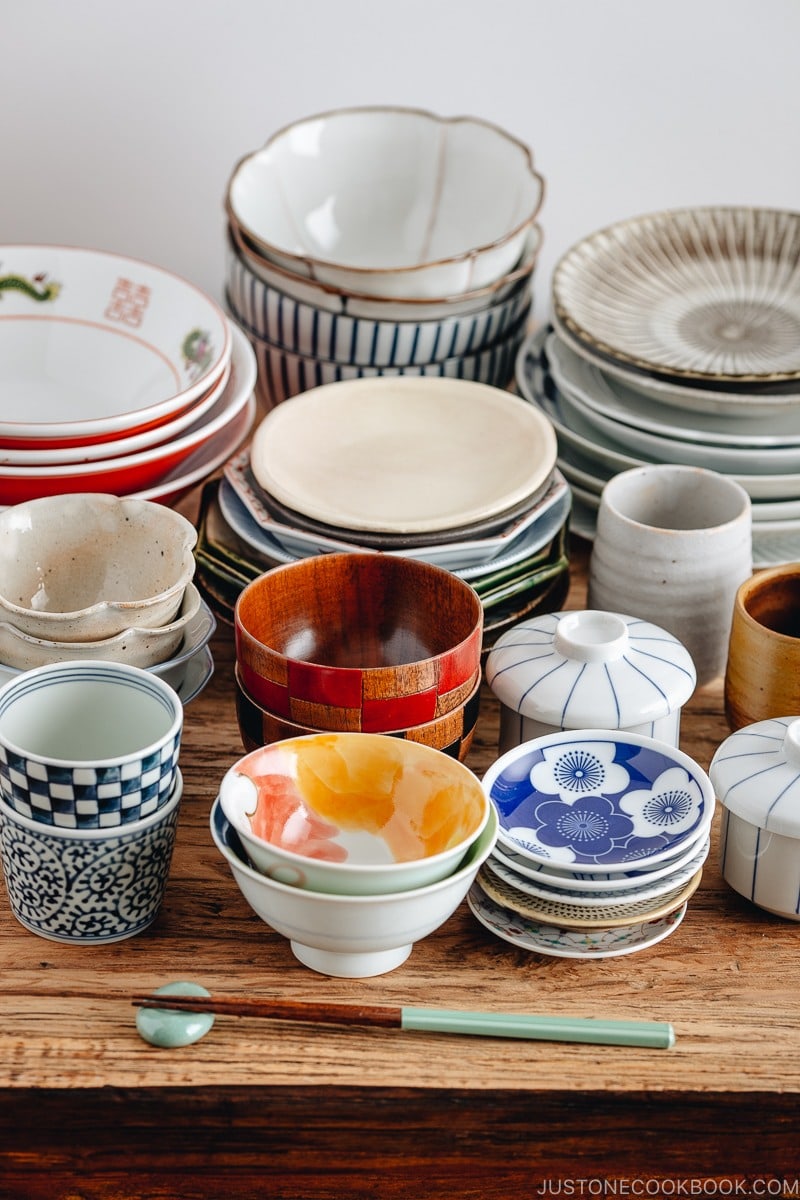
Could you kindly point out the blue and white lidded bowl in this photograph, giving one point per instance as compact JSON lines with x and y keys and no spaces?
{"x":589,"y":670}
{"x":756,"y":775}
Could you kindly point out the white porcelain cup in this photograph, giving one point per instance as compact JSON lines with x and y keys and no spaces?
{"x":672,"y":546}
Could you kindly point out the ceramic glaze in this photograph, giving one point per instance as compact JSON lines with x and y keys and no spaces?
{"x":88,"y":745}
{"x":727,"y":314}
{"x":353,"y":812}
{"x":301,"y":328}
{"x":325,"y":298}
{"x":762,"y":675}
{"x":138,"y":646}
{"x":90,"y":565}
{"x":756,"y":774}
{"x":350,"y":936}
{"x":116,"y":344}
{"x":673,"y":544}
{"x":589,"y":669}
{"x":318,"y":452}
{"x":88,"y":886}
{"x":439,"y":228}
{"x":598,"y":800}
{"x":542,"y":938}
{"x":169,"y":1028}
{"x":130,"y":474}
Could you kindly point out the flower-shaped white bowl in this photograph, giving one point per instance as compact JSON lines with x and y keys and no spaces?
{"x":138,"y":646}
{"x":90,"y":565}
{"x":353,"y":813}
{"x":599,"y":800}
{"x":328,"y":299}
{"x":350,"y":936}
{"x":389,"y":201}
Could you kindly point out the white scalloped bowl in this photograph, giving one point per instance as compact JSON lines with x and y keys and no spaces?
{"x":87,"y":566}
{"x":340,"y":302}
{"x":139,"y":647}
{"x":394,"y":202}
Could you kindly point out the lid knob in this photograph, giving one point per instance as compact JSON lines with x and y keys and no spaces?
{"x":592,"y":636}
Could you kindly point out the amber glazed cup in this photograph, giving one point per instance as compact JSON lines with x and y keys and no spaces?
{"x":762,"y":678}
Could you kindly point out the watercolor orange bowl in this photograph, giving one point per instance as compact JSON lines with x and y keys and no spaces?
{"x":353,"y":813}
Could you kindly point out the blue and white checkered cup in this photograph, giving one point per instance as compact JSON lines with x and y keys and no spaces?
{"x":88,"y":745}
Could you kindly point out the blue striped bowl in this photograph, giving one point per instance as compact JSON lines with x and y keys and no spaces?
{"x":266,"y":312}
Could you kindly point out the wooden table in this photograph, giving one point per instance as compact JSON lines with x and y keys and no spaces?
{"x":88,"y":1110}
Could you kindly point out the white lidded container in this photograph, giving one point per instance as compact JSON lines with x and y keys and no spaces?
{"x":756,"y":776}
{"x":589,"y":670}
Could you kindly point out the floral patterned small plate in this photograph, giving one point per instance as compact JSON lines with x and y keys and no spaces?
{"x":598,"y":800}
{"x":570,"y":943}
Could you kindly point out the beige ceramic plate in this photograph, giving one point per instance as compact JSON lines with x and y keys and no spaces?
{"x":711,"y":294}
{"x":403,"y":455}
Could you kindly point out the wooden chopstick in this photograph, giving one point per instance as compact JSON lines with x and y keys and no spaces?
{"x":279,"y":1010}
{"x":648,"y":1034}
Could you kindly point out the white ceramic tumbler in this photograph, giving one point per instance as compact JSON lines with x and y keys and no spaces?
{"x":672,"y":546}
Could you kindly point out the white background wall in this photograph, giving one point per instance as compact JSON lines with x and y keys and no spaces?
{"x":121,"y":122}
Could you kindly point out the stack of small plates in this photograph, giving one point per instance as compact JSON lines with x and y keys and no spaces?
{"x":456,"y":473}
{"x":601,"y":844}
{"x":676,"y":338}
{"x":117,"y":377}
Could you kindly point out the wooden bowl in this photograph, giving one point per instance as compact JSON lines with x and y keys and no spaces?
{"x":452,"y":733}
{"x":360,"y":642}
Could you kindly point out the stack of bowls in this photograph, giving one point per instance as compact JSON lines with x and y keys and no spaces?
{"x":120,"y":377}
{"x":94,"y":577}
{"x":674,"y":341}
{"x":449,"y":472}
{"x":380,"y":240}
{"x":602,"y":839}
{"x":359,"y":642}
{"x":352,"y":845}
{"x":90,"y":790}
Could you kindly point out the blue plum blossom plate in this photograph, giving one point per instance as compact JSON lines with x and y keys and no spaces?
{"x":599,"y":800}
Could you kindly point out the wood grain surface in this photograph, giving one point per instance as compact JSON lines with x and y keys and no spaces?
{"x":257,"y":1108}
